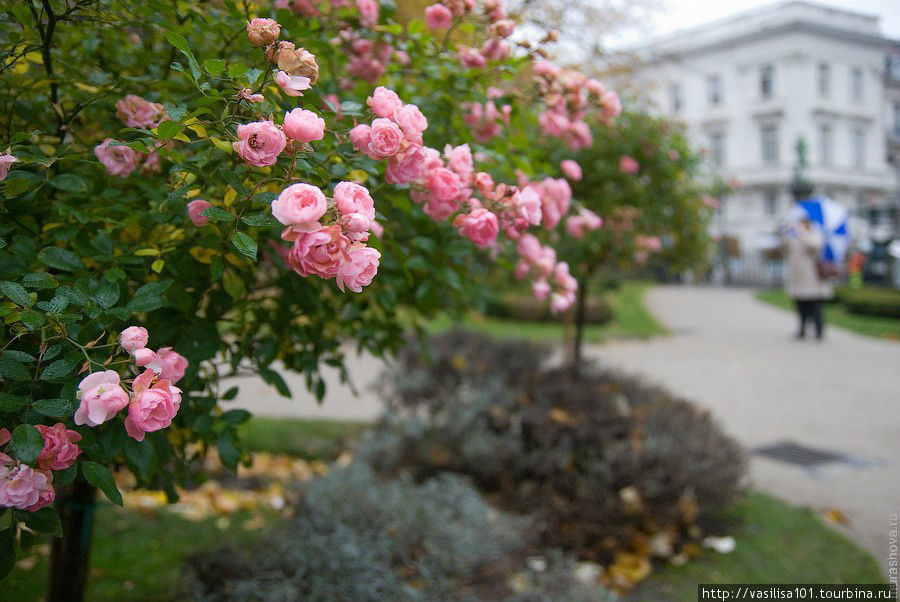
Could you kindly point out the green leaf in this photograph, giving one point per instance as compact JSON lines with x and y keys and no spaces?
{"x":244,"y":244}
{"x":178,"y":41}
{"x":53,"y":407}
{"x":61,"y":259}
{"x":260,"y":219}
{"x":45,"y":520}
{"x":114,"y":274}
{"x":236,"y":416}
{"x":23,"y":357}
{"x":145,"y":303}
{"x":232,"y":180}
{"x":57,"y":370}
{"x":168,"y":130}
{"x":237,"y":69}
{"x":7,"y":551}
{"x":68,"y":182}
{"x":10,"y":403}
{"x":26,"y":443}
{"x":274,"y":379}
{"x":140,"y":457}
{"x":228,"y":451}
{"x":107,"y":295}
{"x":214,"y":67}
{"x":63,"y":477}
{"x":13,"y":369}
{"x":39,"y":280}
{"x":16,"y":292}
{"x":217,"y":214}
{"x":230,"y":393}
{"x":99,"y":476}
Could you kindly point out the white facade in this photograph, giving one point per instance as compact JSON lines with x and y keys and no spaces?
{"x":749,"y":87}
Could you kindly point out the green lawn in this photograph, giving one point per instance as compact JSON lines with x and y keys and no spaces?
{"x":630,"y":320}
{"x":776,"y":543}
{"x":837,"y":315}
{"x":138,"y":556}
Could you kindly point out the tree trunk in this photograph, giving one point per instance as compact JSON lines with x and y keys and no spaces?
{"x":580,"y":317}
{"x":69,"y":558}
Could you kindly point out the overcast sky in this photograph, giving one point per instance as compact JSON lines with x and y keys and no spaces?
{"x":679,"y":14}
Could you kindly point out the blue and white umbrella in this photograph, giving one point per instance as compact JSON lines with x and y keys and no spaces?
{"x":831,"y":218}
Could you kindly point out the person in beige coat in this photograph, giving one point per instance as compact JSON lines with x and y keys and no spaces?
{"x":804,"y":245}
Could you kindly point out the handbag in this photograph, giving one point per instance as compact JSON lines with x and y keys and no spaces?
{"x":826,"y":269}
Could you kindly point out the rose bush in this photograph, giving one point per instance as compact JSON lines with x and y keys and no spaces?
{"x":173,"y":176}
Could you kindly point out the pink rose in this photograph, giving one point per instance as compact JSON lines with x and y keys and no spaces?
{"x":303,"y":125}
{"x":386,"y":139}
{"x":173,"y":364}
{"x":529,"y":248}
{"x":406,"y":166}
{"x":584,"y":222}
{"x":495,"y":49}
{"x":147,"y":358}
{"x":471,"y":58}
{"x":480,"y":226}
{"x":262,"y":32}
{"x":195,"y":211}
{"x":133,"y":338}
{"x":25,"y":488}
{"x":628,"y":164}
{"x":443,"y":184}
{"x":359,"y":269}
{"x":300,"y":204}
{"x":528,"y":206}
{"x":152,"y":408}
{"x":540,"y":289}
{"x":360,"y":136}
{"x":578,"y":135}
{"x":561,"y":302}
{"x":571,"y":169}
{"x":438,"y":209}
{"x":459,"y":159}
{"x":385,"y":102}
{"x":101,"y":398}
{"x":438,"y":16}
{"x":351,"y":200}
{"x":412,"y":122}
{"x":118,"y":160}
{"x":321,"y":252}
{"x":6,"y":160}
{"x":60,"y":449}
{"x":292,"y":85}
{"x":368,"y":12}
{"x":259,"y":143}
{"x":135,"y":112}
{"x":502,"y":28}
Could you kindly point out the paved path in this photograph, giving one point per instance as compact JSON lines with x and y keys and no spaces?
{"x":735,"y":356}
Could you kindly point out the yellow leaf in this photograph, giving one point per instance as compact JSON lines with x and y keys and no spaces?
{"x":199,"y":130}
{"x":202,"y":254}
{"x":182,"y":137}
{"x":87,"y":87}
{"x":222,"y":145}
{"x":358,"y":176}
{"x":157,"y":265}
{"x":234,"y":260}
{"x":47,"y":149}
{"x":230,"y":195}
{"x":146,"y":252}
{"x":193,"y":192}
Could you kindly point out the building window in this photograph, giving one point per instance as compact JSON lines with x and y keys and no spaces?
{"x":717,"y":149}
{"x":714,"y":90}
{"x":769,"y":138}
{"x":824,"y":80}
{"x":676,"y":99}
{"x":825,"y":145}
{"x":856,"y":84}
{"x":770,"y":201}
{"x":859,"y":147}
{"x":767,"y":81}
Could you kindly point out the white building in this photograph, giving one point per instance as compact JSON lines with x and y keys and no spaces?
{"x":750,"y":86}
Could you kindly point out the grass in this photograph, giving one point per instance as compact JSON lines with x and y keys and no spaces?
{"x":776,"y":543}
{"x":312,"y":439}
{"x":630,"y":320}
{"x":837,"y":315}
{"x":138,"y":556}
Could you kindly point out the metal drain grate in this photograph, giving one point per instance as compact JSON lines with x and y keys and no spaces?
{"x":800,"y":455}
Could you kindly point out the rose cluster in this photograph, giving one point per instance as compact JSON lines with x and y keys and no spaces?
{"x":441,"y":16}
{"x":336,"y":249}
{"x":121,"y":160}
{"x":551,"y":278}
{"x":487,"y":121}
{"x":154,"y":398}
{"x":31,"y":487}
{"x":569,"y":96}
